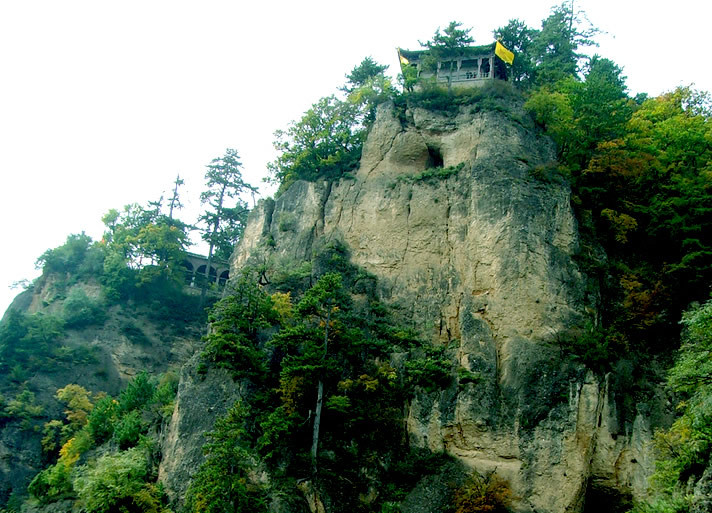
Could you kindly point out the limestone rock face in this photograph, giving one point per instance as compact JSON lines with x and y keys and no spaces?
{"x":483,"y":261}
{"x":200,"y":401}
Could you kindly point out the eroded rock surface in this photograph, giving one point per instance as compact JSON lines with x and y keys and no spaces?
{"x":201,"y":399}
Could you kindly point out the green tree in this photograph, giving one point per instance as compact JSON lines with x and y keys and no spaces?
{"x":128,"y":429}
{"x":362,"y":74}
{"x":235,"y":323}
{"x":23,"y":407}
{"x":29,"y":340}
{"x":555,"y":48}
{"x":580,"y":115}
{"x":223,"y":482}
{"x":118,"y":482}
{"x":320,"y":303}
{"x":446,"y":46}
{"x":52,"y":484}
{"x":367,"y":86}
{"x":519,"y":38}
{"x":145,"y":248}
{"x":78,"y":256}
{"x":81,"y":310}
{"x":325,"y":143}
{"x":102,"y":419}
{"x":649,"y":194}
{"x":137,"y":394}
{"x":223,"y":223}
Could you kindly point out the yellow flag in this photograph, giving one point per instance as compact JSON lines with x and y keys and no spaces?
{"x":403,"y":60}
{"x":504,"y":54}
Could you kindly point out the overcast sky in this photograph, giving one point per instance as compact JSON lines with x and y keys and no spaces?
{"x":103,"y":103}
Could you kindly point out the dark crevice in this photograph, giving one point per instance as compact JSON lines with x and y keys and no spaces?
{"x":601,"y":497}
{"x":435,"y":158}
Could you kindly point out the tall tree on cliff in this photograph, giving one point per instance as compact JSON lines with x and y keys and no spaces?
{"x":448,"y":45}
{"x":555,"y":49}
{"x":519,"y":38}
{"x":223,"y":224}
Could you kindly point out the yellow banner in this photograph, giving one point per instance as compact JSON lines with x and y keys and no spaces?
{"x":402,"y":59}
{"x":504,"y":54}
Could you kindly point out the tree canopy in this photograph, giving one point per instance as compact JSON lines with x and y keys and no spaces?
{"x":325,"y":143}
{"x":226,"y":211}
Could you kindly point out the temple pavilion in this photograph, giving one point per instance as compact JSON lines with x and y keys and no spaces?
{"x":472,"y":66}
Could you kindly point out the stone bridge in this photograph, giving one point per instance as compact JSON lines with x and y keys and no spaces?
{"x":195,"y":266}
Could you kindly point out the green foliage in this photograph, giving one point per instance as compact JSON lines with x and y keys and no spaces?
{"x":52,"y":484}
{"x":120,"y":479}
{"x":165,"y":394}
{"x":115,"y":482}
{"x":490,"y":97}
{"x":102,"y":419}
{"x":78,"y":256}
{"x":277,"y":427}
{"x":366,"y":87}
{"x":23,"y":408}
{"x":592,"y":346}
{"x":519,"y":39}
{"x":224,"y":223}
{"x":223,"y":482}
{"x":334,"y":340}
{"x":80,"y":310}
{"x":52,"y":438}
{"x":685,"y":450}
{"x":640,"y":181}
{"x":137,"y":394}
{"x":692,"y":373}
{"x":554,"y":49}
{"x":128,"y":429}
{"x":579,"y":115}
{"x":434,"y":174}
{"x":648,"y":195}
{"x":324,"y":144}
{"x":30,"y":341}
{"x":118,"y":279}
{"x":465,"y":376}
{"x":289,"y":276}
{"x":360,"y":76}
{"x":56,"y":481}
{"x":677,"y":502}
{"x":235,"y":323}
{"x":144,"y":248}
{"x":431,"y":371}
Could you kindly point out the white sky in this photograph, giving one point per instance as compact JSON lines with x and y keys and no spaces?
{"x":103,"y":102}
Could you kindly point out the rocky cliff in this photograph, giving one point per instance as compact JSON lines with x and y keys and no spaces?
{"x":479,"y":256}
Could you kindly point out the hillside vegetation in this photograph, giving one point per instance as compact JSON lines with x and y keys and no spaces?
{"x":329,"y":367}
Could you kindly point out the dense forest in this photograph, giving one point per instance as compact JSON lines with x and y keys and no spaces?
{"x":315,"y":344}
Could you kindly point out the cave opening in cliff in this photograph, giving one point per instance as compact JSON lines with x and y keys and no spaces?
{"x":601,"y":497}
{"x":435,"y":158}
